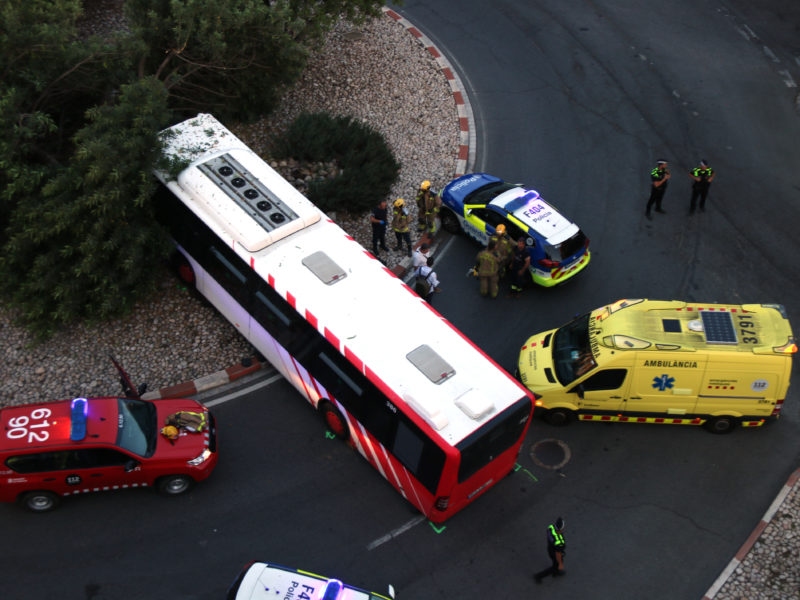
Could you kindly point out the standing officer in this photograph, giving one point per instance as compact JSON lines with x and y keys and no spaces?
{"x":520,"y":265}
{"x":427,"y":208}
{"x":378,"y":220}
{"x":400,"y":218}
{"x":659,"y":178}
{"x":487,"y":269}
{"x":556,"y":549}
{"x":703,"y":176}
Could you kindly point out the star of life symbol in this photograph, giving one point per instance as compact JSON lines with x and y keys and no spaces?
{"x":663,"y":382}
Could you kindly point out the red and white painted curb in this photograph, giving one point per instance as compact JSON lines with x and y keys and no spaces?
{"x":466,"y":148}
{"x":190,"y":388}
{"x":751,"y":540}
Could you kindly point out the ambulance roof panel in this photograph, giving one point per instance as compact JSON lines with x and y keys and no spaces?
{"x":676,"y":325}
{"x":532,"y":210}
{"x":368,"y":314}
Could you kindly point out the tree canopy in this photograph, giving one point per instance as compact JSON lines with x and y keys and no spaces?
{"x":80,"y":116}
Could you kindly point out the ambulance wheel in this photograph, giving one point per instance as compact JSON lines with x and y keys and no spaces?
{"x":40,"y":501}
{"x":723,"y":424}
{"x":559,"y":416}
{"x":450,"y":222}
{"x":172,"y":485}
{"x":334,"y":420}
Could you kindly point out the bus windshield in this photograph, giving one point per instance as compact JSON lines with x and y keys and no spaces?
{"x":572,"y":353}
{"x":137,"y":426}
{"x":494,"y":438}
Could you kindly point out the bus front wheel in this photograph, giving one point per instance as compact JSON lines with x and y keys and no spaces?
{"x":559,"y":416}
{"x":334,"y":420}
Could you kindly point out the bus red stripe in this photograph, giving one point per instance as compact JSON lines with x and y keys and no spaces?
{"x":350,"y":355}
{"x":332,"y":338}
{"x":311,"y":318}
{"x":291,"y":300}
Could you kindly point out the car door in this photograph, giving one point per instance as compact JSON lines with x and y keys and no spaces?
{"x":603,"y":390}
{"x":96,"y":469}
{"x":475,"y":223}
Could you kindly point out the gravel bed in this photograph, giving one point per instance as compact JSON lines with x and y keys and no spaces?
{"x":378,"y":73}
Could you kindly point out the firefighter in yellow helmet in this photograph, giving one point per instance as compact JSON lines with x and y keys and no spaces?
{"x":400,"y":218}
{"x":428,"y":203}
{"x":504,"y":248}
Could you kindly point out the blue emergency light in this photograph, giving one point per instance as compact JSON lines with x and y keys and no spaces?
{"x":332,"y":589}
{"x":79,"y":412}
{"x":521,"y":201}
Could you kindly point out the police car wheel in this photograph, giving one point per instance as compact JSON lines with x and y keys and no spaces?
{"x":40,"y":501}
{"x":721,"y":424}
{"x":450,"y":222}
{"x":559,"y":416}
{"x":334,"y":420}
{"x":172,"y":485}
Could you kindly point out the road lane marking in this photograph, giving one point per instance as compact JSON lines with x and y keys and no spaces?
{"x":394,"y":533}
{"x":244,"y":391}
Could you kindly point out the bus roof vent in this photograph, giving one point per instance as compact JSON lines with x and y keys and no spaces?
{"x":474,"y":404}
{"x":248,"y":192}
{"x":430,"y":409}
{"x":433,"y":366}
{"x":718,"y":327}
{"x":323,"y":267}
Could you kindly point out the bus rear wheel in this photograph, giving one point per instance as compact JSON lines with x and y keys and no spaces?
{"x":724,"y":424}
{"x":334,"y":420}
{"x":559,"y":416}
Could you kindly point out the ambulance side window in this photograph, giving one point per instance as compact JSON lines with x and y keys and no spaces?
{"x":608,"y":379}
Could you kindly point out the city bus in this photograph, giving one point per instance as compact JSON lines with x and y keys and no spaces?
{"x":427,"y":408}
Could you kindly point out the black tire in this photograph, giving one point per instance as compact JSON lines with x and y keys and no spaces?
{"x":723,"y":424}
{"x":559,"y":416}
{"x":40,"y":501}
{"x":173,"y":485}
{"x":449,"y":221}
{"x":334,"y":420}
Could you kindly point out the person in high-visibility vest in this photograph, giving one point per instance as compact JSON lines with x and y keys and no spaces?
{"x":428,"y":203}
{"x":487,"y":269}
{"x":659,"y":179}
{"x":702,"y":176}
{"x":556,"y":549}
{"x":400,"y":219}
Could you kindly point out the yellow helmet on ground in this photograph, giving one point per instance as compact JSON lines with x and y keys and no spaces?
{"x":399,"y":202}
{"x":500,"y":229}
{"x":170,"y":431}
{"x":425,"y":185}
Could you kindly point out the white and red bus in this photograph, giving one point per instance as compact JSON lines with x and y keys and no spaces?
{"x":428,"y":409}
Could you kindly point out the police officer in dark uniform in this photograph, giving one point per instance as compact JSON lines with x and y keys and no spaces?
{"x":703,"y":176}
{"x":556,"y":549}
{"x":659,"y":178}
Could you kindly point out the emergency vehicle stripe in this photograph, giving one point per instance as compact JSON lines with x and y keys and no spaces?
{"x":291,"y":300}
{"x":312,"y":319}
{"x":351,"y":356}
{"x":371,"y":456}
{"x":302,"y":379}
{"x":253,"y":262}
{"x":332,"y":339}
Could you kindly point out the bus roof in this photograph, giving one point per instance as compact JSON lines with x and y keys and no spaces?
{"x":674,"y":325}
{"x":349,"y":296}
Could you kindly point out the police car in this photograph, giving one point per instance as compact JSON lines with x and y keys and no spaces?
{"x":56,"y":449}
{"x":261,"y":581}
{"x":477,"y":203}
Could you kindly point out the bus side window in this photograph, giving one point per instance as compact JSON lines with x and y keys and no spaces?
{"x":228,"y":275}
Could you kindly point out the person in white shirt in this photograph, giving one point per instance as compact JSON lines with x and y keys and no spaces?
{"x":420,"y":256}
{"x":426,"y":274}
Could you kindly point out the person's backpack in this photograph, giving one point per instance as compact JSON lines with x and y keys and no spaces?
{"x":422,"y":286}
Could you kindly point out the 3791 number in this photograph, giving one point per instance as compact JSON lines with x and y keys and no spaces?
{"x":23,"y":426}
{"x":747,"y":329}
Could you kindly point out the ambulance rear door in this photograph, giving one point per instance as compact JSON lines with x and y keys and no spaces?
{"x":666,"y":384}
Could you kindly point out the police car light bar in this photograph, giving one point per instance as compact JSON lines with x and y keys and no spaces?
{"x":332,"y":590}
{"x":79,"y":411}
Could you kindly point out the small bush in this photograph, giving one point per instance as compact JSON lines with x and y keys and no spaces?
{"x":368,"y":168}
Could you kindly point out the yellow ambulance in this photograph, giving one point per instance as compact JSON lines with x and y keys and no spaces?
{"x":672,"y":362}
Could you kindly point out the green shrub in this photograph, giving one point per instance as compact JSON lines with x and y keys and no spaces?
{"x":368,"y":167}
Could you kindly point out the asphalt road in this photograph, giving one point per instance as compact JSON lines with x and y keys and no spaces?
{"x":577,"y":99}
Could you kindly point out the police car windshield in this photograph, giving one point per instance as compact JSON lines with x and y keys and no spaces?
{"x":137,"y":426}
{"x":487,"y":193}
{"x":572,"y":354}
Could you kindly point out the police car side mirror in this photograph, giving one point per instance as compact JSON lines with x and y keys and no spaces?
{"x":131,"y":465}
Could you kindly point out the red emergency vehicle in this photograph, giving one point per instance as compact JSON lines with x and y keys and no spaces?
{"x":54,"y":449}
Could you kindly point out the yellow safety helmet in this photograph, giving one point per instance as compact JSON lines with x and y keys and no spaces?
{"x":500,"y":229}
{"x":425,"y":185}
{"x":399,"y":202}
{"x":170,"y":431}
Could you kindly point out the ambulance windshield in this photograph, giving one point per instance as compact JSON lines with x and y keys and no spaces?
{"x":137,"y":426}
{"x":572,"y":353}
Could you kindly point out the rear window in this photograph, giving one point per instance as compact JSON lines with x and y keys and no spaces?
{"x":567,"y":248}
{"x":494,"y":438}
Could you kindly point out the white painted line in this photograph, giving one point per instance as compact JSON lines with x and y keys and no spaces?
{"x":244,"y":391}
{"x":768,"y":51}
{"x":787,"y":78}
{"x":393,"y":534}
